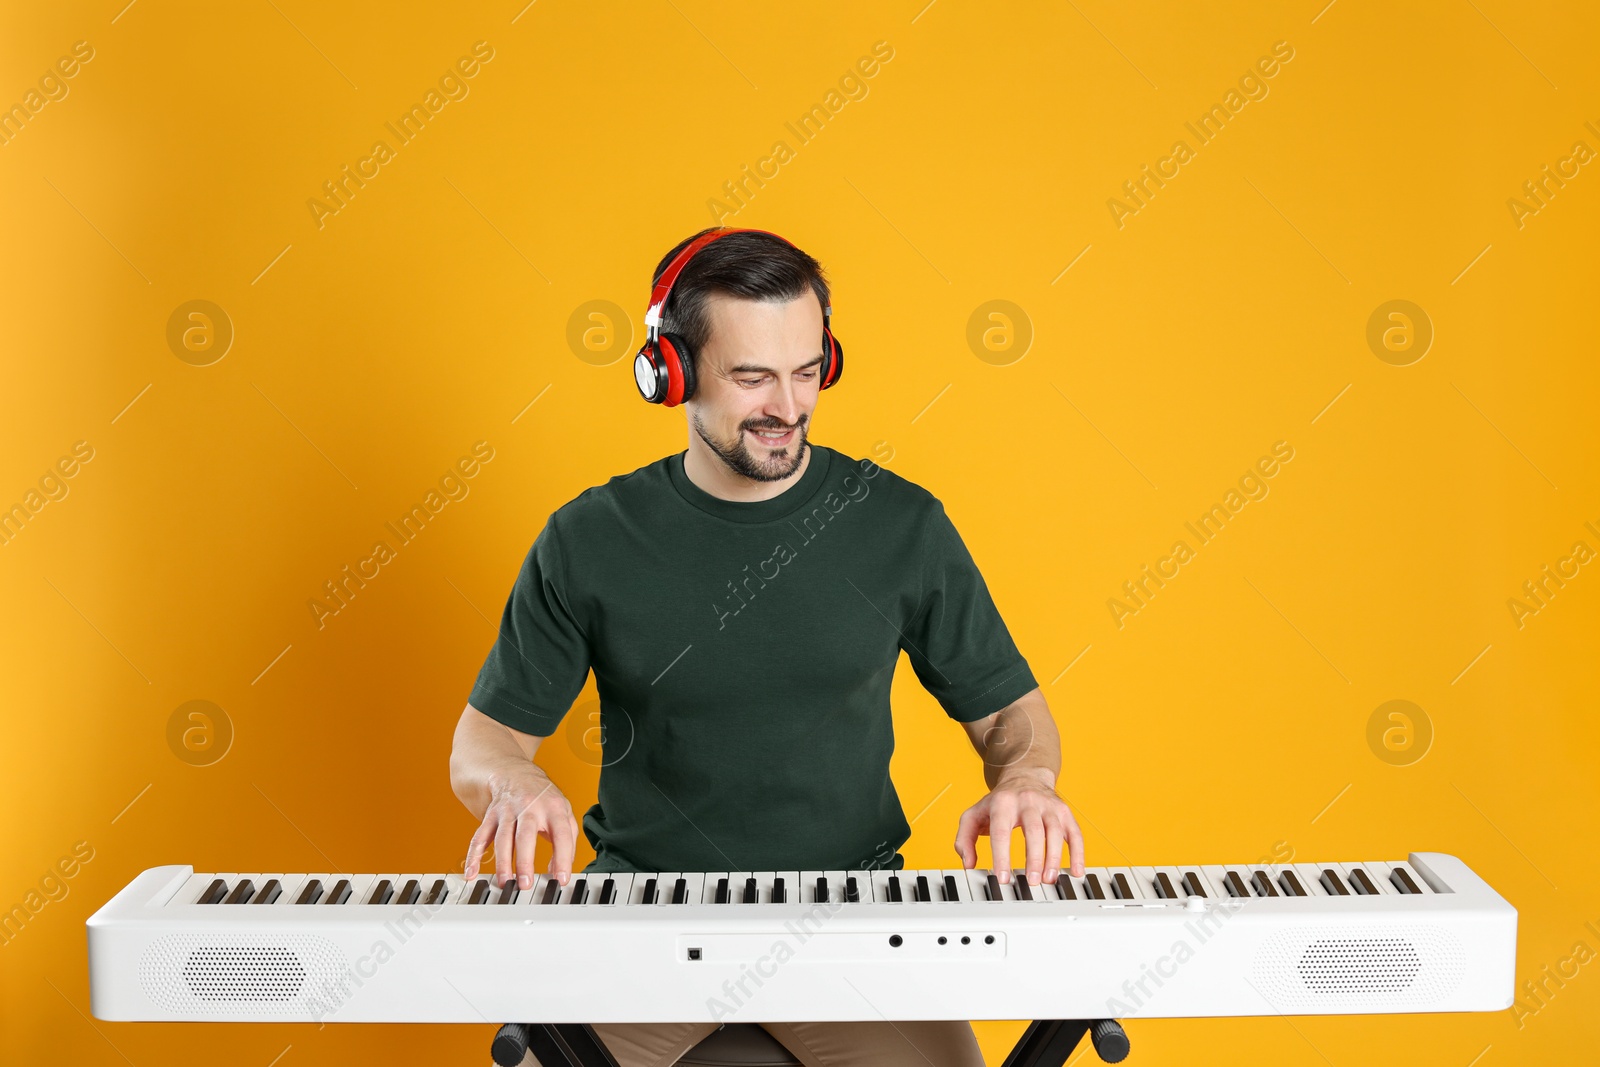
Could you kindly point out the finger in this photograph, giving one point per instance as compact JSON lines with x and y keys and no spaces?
{"x":1033,"y":841}
{"x":504,"y":850}
{"x":527,"y":839}
{"x":562,"y":843}
{"x":1053,"y":831}
{"x":475,"y":847}
{"x":967,"y":829}
{"x":1075,"y":844}
{"x":1002,"y":820}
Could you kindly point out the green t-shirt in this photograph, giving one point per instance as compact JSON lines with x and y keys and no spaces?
{"x":743,"y":653}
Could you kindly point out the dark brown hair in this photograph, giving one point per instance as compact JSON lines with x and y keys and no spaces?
{"x":753,"y":266}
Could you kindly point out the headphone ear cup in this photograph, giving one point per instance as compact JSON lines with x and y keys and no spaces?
{"x":679,"y":359}
{"x":648,"y":373}
{"x":833,"y":365}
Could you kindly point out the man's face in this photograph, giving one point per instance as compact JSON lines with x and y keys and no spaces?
{"x":759,"y":371}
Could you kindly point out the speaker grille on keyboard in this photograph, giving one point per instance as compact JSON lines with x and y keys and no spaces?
{"x":242,"y":975}
{"x":1357,"y":967}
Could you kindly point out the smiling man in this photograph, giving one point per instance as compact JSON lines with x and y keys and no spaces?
{"x":743,"y":605}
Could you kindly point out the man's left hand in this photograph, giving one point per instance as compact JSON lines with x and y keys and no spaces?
{"x":1021,"y":798}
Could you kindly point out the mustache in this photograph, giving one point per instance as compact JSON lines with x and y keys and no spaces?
{"x":779,"y":426}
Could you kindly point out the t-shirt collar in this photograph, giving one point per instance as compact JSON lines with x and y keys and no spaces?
{"x":786,"y":503}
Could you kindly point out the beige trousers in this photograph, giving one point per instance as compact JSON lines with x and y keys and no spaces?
{"x":859,"y":1044}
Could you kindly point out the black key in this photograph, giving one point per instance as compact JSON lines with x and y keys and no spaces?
{"x":1330,"y":882}
{"x":1235,"y":884}
{"x":381,"y":893}
{"x":508,"y":892}
{"x":410,"y":892}
{"x":852,"y":892}
{"x":1019,"y":879}
{"x":1402,"y":881}
{"x":340,"y":892}
{"x":950,"y":888}
{"x":552,"y":892}
{"x":440,"y":890}
{"x":1064,"y":888}
{"x":608,"y":891}
{"x":311,"y":893}
{"x":752,"y":894}
{"x":924,"y":891}
{"x":1363,"y":884}
{"x":778,"y":894}
{"x":1263,"y":885}
{"x":580,"y":891}
{"x":214,"y":892}
{"x":1091,"y":886}
{"x":680,"y":891}
{"x":1120,"y":887}
{"x":1193,"y":886}
{"x":992,"y":889}
{"x":1163,"y":886}
{"x":242,"y":892}
{"x":269,"y":892}
{"x":480,"y":892}
{"x":649,"y":891}
{"x":1291,"y":885}
{"x":894,"y":889}
{"x":822,"y":890}
{"x":722,"y":890}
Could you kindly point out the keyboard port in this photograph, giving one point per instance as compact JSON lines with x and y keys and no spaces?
{"x":694,"y":954}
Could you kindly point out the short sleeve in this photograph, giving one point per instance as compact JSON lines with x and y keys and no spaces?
{"x":957,"y":643}
{"x":540,"y":660}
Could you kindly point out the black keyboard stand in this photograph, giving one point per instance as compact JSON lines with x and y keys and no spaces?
{"x":552,"y":1044}
{"x":1048,"y":1042}
{"x":1045,"y":1043}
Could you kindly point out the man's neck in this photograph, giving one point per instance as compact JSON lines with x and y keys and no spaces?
{"x":707,"y":471}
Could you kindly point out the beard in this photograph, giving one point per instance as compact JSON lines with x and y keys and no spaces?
{"x":772,"y":465}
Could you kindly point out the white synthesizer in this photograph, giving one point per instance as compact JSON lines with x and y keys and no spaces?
{"x":1422,"y":935}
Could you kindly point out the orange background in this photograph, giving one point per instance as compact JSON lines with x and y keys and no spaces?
{"x":1227,"y":720}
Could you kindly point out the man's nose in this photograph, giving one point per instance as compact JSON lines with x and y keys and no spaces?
{"x":785,"y":404}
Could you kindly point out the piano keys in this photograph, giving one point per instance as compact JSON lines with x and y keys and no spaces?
{"x":1420,"y":934}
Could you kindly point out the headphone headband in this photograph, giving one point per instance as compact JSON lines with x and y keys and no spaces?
{"x":669,"y":277}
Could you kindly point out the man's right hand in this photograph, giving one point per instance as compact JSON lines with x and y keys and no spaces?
{"x":492,"y":771}
{"x":524,"y":805}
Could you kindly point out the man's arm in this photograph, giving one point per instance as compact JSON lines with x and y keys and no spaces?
{"x":1021,"y":752}
{"x":493,"y":773}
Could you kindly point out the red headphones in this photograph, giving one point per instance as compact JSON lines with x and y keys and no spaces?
{"x":664,"y":367}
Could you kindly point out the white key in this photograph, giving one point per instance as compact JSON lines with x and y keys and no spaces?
{"x":808,"y":887}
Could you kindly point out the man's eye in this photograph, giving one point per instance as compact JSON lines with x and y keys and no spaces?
{"x":750,"y":381}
